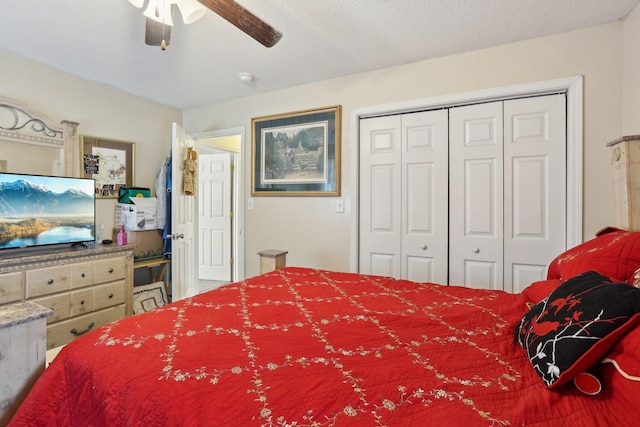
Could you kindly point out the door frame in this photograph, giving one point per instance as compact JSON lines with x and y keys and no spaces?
{"x":571,"y":86}
{"x":237,"y":229}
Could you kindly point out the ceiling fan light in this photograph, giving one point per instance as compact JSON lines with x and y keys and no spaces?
{"x":159,"y":10}
{"x":191,"y":10}
{"x":137,"y":3}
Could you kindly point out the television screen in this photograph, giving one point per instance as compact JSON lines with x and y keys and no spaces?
{"x":45,"y":210}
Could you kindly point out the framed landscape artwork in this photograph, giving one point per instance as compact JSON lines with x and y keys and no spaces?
{"x":296,"y":154}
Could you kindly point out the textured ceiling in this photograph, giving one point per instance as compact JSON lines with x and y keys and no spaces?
{"x":103,"y":40}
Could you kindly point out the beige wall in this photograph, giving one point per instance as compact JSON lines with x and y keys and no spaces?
{"x":310,"y":229}
{"x":631,"y":74}
{"x":101,"y":111}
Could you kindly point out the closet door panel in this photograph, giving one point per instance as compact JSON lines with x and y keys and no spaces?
{"x":424,"y":196}
{"x":483,"y":273}
{"x":535,"y":187}
{"x":480,"y":198}
{"x":380,"y":196}
{"x":475,"y":195}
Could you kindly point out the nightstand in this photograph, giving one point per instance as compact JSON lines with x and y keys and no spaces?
{"x":23,"y":346}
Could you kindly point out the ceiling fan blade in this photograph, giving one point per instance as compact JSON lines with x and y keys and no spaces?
{"x":156,"y":32}
{"x":245,"y":21}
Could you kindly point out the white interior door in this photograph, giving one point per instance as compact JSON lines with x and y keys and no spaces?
{"x":476,"y":196}
{"x":535,"y":187}
{"x":214,"y":217}
{"x":184,"y":220}
{"x":424,"y":196}
{"x":380,"y":196}
{"x":403,"y":229}
{"x":482,"y":191}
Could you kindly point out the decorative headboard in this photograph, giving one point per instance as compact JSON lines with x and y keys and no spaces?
{"x":31,"y":143}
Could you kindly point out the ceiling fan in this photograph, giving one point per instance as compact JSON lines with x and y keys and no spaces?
{"x":159,"y":20}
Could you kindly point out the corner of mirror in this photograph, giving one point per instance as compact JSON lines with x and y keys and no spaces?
{"x":31,"y":143}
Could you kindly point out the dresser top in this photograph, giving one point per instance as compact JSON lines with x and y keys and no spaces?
{"x":22,"y":312}
{"x":43,"y":257}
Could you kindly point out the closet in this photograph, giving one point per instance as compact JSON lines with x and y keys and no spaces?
{"x":472,"y":195}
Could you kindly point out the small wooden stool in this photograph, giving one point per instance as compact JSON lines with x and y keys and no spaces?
{"x":272,"y":259}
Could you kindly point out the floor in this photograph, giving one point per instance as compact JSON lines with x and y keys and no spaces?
{"x":51,"y":354}
{"x":207,"y":285}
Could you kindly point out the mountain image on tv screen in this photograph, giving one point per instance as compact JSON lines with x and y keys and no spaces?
{"x":45,"y":210}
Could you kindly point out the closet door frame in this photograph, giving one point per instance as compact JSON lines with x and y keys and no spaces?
{"x":571,"y":86}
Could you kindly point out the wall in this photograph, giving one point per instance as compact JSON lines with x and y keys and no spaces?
{"x":101,"y":111}
{"x":309,"y":227}
{"x":631,"y":74}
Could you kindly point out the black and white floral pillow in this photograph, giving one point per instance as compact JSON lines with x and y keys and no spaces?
{"x":570,"y":330}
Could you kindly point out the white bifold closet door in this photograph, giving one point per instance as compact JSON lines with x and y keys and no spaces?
{"x":403,"y":196}
{"x":472,"y":195}
{"x":476,"y":196}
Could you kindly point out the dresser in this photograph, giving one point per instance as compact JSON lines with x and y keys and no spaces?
{"x":85,"y":288}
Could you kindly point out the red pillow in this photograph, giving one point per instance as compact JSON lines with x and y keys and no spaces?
{"x":625,"y":355}
{"x":615,"y":254}
{"x":537,"y":291}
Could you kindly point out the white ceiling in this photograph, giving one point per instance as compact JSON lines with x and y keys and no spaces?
{"x":103,"y":40}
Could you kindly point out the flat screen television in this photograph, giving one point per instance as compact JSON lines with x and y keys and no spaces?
{"x":38,"y":210}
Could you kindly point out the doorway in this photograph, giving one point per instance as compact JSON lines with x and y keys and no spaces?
{"x":219,"y":208}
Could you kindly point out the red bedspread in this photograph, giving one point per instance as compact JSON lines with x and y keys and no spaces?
{"x":300,"y":347}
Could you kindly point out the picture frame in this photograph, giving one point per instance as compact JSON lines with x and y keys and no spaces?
{"x":110,"y":162}
{"x":297,"y":153}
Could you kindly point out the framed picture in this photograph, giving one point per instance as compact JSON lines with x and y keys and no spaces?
{"x":109,"y":162}
{"x":296,"y":154}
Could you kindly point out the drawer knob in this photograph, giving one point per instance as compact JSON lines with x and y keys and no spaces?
{"x":82,"y":302}
{"x":50,"y":282}
{"x":111,"y":270}
{"x":77,"y":333}
{"x":110,"y":295}
{"x":82,"y":275}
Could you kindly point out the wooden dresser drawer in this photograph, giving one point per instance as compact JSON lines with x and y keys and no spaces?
{"x":109,"y":294}
{"x":81,"y":274}
{"x":109,"y":269}
{"x":11,"y":287}
{"x":44,"y":281}
{"x":82,"y":301}
{"x":64,"y":332}
{"x":60,"y":304}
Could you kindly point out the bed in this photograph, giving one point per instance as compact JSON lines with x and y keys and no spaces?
{"x":307,"y":347}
